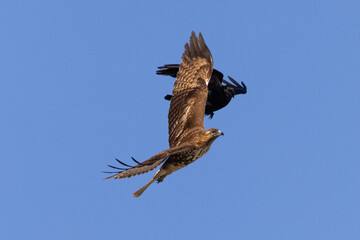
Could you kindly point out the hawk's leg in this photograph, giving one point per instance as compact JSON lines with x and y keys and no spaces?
{"x":160,"y":179}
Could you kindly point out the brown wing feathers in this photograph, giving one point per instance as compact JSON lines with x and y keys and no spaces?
{"x":187,"y":106}
{"x":141,"y":168}
{"x":149,"y":164}
{"x":198,"y":49}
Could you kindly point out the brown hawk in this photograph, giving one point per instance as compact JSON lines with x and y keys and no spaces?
{"x":187,"y":138}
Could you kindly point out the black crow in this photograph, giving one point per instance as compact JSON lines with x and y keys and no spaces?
{"x":219,"y":95}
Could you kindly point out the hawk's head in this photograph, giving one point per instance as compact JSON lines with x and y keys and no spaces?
{"x":213,"y":132}
{"x":206,"y":138}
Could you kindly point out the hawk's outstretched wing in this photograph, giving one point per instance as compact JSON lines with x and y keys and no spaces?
{"x":149,"y":164}
{"x":187,"y":106}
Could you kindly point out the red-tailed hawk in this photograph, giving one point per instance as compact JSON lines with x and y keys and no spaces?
{"x":187,"y":138}
{"x":220,"y":91}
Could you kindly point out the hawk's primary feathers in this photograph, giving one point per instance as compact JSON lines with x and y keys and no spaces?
{"x":188,"y":140}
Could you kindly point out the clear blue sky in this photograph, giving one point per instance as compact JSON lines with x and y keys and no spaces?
{"x":78,"y":88}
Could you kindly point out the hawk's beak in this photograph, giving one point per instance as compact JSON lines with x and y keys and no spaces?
{"x":221,"y":133}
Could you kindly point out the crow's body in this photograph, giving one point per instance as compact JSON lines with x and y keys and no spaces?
{"x":219,"y":95}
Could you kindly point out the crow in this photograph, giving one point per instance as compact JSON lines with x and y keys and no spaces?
{"x":219,"y":95}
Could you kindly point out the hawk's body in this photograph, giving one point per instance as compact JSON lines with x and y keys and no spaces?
{"x":188,"y":140}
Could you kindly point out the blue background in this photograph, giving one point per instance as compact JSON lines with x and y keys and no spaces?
{"x":78,"y":88}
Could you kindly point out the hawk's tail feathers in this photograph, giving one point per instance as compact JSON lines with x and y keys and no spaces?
{"x":153,"y":179}
{"x":141,"y":190}
{"x":162,"y":173}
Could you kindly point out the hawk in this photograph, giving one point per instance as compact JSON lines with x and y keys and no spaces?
{"x":219,"y":95}
{"x":187,"y":138}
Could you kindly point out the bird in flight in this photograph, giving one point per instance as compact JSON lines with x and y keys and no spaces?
{"x":219,"y":95}
{"x":188,"y":140}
